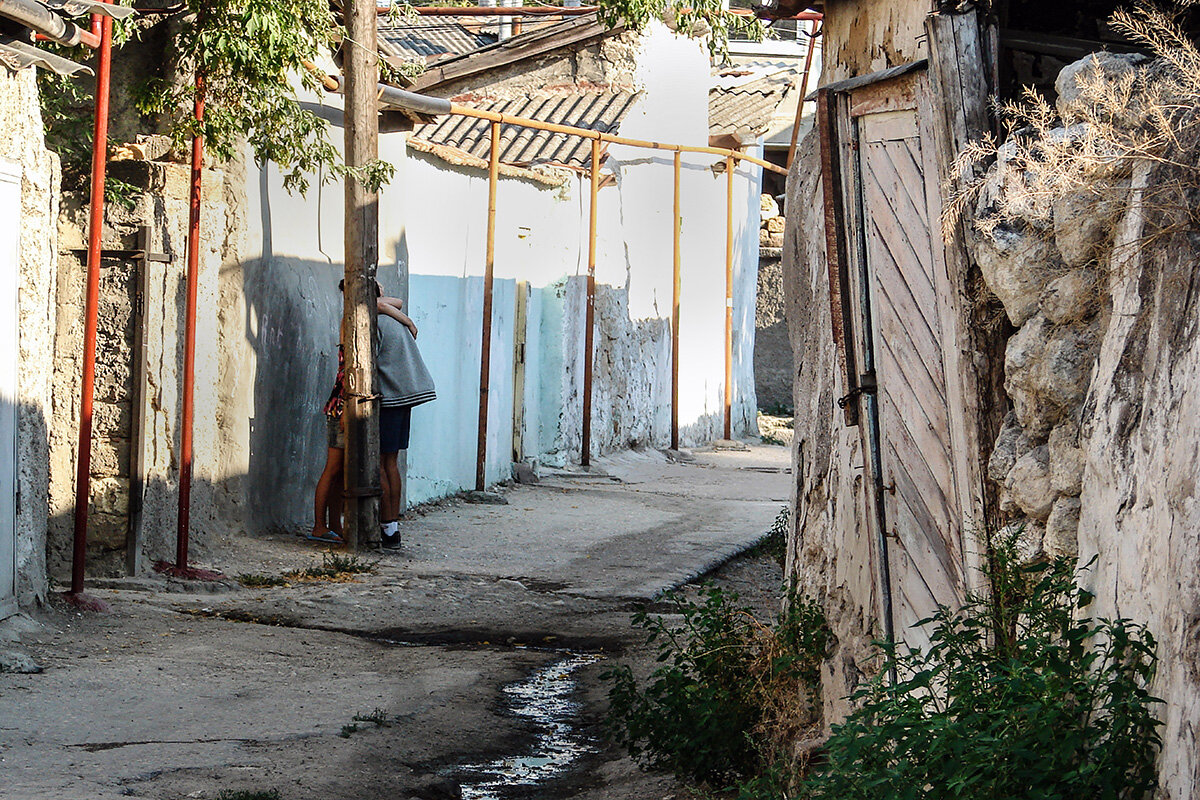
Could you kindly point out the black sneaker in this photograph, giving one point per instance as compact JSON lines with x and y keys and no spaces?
{"x":391,"y":542}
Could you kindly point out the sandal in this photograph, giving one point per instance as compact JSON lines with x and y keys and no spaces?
{"x":328,"y":537}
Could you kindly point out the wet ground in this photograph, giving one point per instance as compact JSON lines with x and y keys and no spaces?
{"x":437,"y":675}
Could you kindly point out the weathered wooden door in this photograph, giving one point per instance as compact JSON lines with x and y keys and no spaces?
{"x":898,"y":325}
{"x":921,"y":517}
{"x":10,"y":210}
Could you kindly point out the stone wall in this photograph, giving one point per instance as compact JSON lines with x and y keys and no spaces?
{"x":1099,"y":457}
{"x":138,"y":390}
{"x":21,"y":140}
{"x":772,"y":348}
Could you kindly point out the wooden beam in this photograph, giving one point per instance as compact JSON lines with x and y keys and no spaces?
{"x":361,"y":414}
{"x":958,"y":114}
{"x":485,"y":353}
{"x":589,"y":331}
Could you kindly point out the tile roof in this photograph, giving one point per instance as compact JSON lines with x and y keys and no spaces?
{"x":430,"y":38}
{"x":595,"y":110}
{"x":743,"y":99}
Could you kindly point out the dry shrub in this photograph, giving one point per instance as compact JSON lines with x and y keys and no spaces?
{"x":1145,"y":121}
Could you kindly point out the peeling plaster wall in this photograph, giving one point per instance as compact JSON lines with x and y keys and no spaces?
{"x":21,"y":141}
{"x":830,"y":551}
{"x":865,"y":36}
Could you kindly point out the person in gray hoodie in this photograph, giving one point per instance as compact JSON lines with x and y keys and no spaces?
{"x":404,"y":382}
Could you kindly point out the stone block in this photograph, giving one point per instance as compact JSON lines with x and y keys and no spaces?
{"x":107,"y":531}
{"x":1047,"y":371}
{"x":776,"y":224}
{"x":1078,"y":84}
{"x":1028,"y":537}
{"x":1028,"y":483}
{"x":1010,"y":445}
{"x":775,"y":240}
{"x":1071,"y":297}
{"x":1066,"y":460}
{"x":111,"y":496}
{"x":1022,"y":361}
{"x":764,"y":237}
{"x":113,"y":419}
{"x":769,"y":208}
{"x":1062,"y":528}
{"x":1084,"y":221}
{"x":1070,"y":356}
{"x":110,"y":456}
{"x":1016,"y":265}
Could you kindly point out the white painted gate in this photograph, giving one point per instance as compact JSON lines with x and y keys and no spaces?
{"x":10,"y":211}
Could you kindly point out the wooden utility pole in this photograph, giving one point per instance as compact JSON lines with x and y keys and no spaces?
{"x":361,"y":66}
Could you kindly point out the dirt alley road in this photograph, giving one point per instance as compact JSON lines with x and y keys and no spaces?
{"x":385,"y":686}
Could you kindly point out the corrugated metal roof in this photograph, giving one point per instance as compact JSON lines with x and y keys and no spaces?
{"x":598,"y":111}
{"x":743,"y":99}
{"x":429,"y":38}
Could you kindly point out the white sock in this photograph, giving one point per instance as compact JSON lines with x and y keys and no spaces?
{"x":390,"y":528}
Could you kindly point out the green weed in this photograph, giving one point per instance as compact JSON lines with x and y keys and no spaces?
{"x":1017,"y":695}
{"x":729,"y":688}
{"x":333,"y":567}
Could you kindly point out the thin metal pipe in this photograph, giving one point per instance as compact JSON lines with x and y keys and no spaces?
{"x":808,"y":60}
{"x":189,"y":336}
{"x":729,"y":163}
{"x":677,"y":285}
{"x":485,"y":355}
{"x":589,"y":333}
{"x":91,"y":305}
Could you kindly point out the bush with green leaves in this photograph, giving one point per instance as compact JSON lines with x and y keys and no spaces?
{"x":1018,"y":694}
{"x":728,"y":691}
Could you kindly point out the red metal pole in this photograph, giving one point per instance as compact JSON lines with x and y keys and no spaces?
{"x":95,"y":229}
{"x":189,"y":347}
{"x":589,"y":332}
{"x":729,"y":164}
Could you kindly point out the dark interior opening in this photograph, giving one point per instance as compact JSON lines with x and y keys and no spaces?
{"x":1040,"y":37}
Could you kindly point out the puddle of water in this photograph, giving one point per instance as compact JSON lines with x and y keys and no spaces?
{"x":545,"y":699}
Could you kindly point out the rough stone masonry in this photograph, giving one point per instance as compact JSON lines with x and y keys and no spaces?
{"x":1099,"y":456}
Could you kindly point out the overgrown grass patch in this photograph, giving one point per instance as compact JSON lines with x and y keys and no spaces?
{"x":334,"y":567}
{"x":730,"y":690}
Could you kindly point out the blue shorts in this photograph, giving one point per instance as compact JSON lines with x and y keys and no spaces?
{"x":394,"y":426}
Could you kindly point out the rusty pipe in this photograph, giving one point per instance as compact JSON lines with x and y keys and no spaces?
{"x":808,"y":60}
{"x":189,"y":347}
{"x":46,"y":22}
{"x":589,"y":323}
{"x":676,"y":284}
{"x":83,"y":472}
{"x":729,"y":297}
{"x":485,"y":355}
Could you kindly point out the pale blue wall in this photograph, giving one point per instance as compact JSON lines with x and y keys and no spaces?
{"x":448,"y":312}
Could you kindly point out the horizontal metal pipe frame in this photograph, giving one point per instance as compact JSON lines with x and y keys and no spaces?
{"x":524,"y":122}
{"x":390,"y":95}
